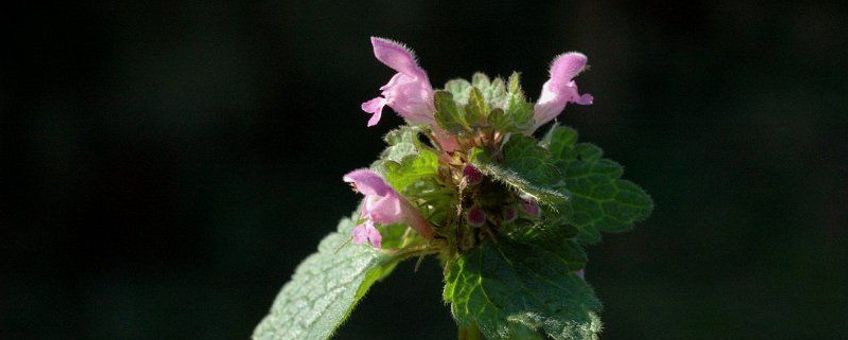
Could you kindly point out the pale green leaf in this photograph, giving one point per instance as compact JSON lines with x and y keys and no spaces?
{"x":324,"y":288}
{"x":403,"y":142}
{"x":412,"y":169}
{"x":460,"y":89}
{"x":480,"y":80}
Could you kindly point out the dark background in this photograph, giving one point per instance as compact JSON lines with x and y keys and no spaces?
{"x":165,"y":166}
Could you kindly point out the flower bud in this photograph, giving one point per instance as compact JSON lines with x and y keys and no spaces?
{"x":472,"y":175}
{"x":475,"y":217}
{"x":531,"y":208}
{"x":509,"y":214}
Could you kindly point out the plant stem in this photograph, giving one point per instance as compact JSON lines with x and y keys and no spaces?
{"x":470,"y":333}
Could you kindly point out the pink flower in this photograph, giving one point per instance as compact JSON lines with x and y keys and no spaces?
{"x":383,"y":205}
{"x":367,"y":232}
{"x":561,"y":89}
{"x":409,"y":92}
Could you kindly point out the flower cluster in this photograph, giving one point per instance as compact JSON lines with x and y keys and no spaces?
{"x":465,"y":115}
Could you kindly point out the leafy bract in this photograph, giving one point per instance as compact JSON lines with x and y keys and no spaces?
{"x":402,"y":142}
{"x":508,"y":287}
{"x":324,"y":288}
{"x":600,"y":200}
{"x":484,"y":103}
{"x":413,"y":172}
{"x":526,"y":167}
{"x":517,"y":109}
{"x":411,"y":169}
{"x":477,"y":108}
{"x":460,"y":89}
{"x":448,"y":115}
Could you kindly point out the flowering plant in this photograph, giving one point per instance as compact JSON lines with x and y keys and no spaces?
{"x":505,"y":214}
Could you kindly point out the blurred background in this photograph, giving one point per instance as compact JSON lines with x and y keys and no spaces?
{"x":165,"y":166}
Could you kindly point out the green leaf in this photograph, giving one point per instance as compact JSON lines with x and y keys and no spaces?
{"x":516,"y":107}
{"x":480,"y":80}
{"x":460,"y":89}
{"x":412,"y":169}
{"x":416,"y":178}
{"x":477,"y":109}
{"x":448,"y":115}
{"x":498,"y":120}
{"x":324,"y":288}
{"x":514,"y":81}
{"x":496,"y":92}
{"x":558,"y":138}
{"x":600,"y":200}
{"x":403,"y":142}
{"x":519,"y":111}
{"x":522,"y":169}
{"x":525,"y":156}
{"x":508,"y":288}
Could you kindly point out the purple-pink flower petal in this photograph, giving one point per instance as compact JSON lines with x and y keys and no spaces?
{"x":359,"y":234}
{"x":408,"y":92}
{"x":368,"y":182}
{"x":561,"y":89}
{"x":374,"y":237}
{"x":366,"y":232}
{"x":383,"y":209}
{"x":567,"y":66}
{"x":397,"y":56}
{"x":375,"y":107}
{"x":384,"y":205}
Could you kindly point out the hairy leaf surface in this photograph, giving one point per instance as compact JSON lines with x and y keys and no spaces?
{"x":600,"y":200}
{"x":508,"y":287}
{"x":324,"y":288}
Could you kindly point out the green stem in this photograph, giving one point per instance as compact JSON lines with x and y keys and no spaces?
{"x":470,"y":333}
